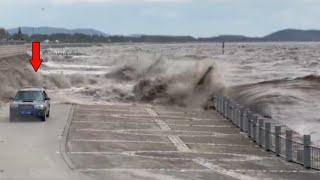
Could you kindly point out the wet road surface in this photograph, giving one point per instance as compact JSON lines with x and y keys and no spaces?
{"x":30,"y":150}
{"x":158,"y":142}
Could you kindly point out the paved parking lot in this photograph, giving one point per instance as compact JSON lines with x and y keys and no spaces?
{"x":159,"y":142}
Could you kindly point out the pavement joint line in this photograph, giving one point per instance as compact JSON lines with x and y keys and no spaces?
{"x":174,"y":152}
{"x":188,"y":119}
{"x":214,"y":144}
{"x":142,"y":130}
{"x":182,"y":117}
{"x":221,"y":170}
{"x":131,"y":115}
{"x":178,"y":110}
{"x":148,"y":117}
{"x":142,"y":169}
{"x":161,"y":135}
{"x":182,"y":135}
{"x":178,"y":143}
{"x":155,"y":142}
{"x":116,"y":141}
{"x":175,"y":112}
{"x":115,"y":115}
{"x":199,"y":170}
{"x":234,"y":159}
{"x":111,"y":110}
{"x":182,"y":125}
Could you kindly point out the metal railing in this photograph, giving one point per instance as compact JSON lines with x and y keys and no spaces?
{"x":269,"y":135}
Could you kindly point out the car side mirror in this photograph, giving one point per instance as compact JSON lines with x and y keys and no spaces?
{"x":11,"y":98}
{"x":47,"y":99}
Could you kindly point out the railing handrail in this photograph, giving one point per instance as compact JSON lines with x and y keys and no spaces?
{"x":259,"y":130}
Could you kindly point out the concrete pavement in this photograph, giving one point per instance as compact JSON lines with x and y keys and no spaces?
{"x":157,"y":142}
{"x":12,"y":50}
{"x":31,"y":150}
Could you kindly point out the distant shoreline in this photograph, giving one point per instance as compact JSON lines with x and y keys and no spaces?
{"x":95,"y":36}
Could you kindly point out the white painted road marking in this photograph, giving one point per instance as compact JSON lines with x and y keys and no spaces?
{"x":178,"y":143}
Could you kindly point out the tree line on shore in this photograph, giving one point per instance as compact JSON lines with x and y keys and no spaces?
{"x":283,"y":35}
{"x":84,"y":38}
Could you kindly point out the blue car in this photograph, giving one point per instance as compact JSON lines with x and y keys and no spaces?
{"x":31,"y":103}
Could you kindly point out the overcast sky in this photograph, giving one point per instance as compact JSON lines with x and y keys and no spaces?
{"x":174,"y":17}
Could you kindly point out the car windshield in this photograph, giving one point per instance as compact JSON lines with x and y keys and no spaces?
{"x":29,"y":96}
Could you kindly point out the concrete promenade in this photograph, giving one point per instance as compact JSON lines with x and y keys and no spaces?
{"x":12,"y":50}
{"x":163,"y":142}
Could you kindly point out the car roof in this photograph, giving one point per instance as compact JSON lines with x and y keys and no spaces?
{"x":32,"y":89}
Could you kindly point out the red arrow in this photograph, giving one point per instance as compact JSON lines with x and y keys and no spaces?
{"x":36,"y":60}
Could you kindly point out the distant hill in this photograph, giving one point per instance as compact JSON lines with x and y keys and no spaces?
{"x":283,"y":35}
{"x":52,"y":30}
{"x":230,"y":38}
{"x":74,"y":35}
{"x":294,"y":35}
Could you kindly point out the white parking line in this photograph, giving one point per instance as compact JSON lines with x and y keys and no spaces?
{"x":148,"y":130}
{"x":160,"y":122}
{"x":116,"y":141}
{"x":201,"y":170}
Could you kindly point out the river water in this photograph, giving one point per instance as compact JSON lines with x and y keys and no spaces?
{"x":278,"y":80}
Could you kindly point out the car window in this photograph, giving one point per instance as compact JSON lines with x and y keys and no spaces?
{"x":29,"y":96}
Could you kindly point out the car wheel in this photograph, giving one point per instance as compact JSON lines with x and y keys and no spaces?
{"x":44,"y":118}
{"x":48,"y":115}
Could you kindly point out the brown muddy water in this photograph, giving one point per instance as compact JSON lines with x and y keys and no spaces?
{"x":278,"y":80}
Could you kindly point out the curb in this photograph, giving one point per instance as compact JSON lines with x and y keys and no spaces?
{"x":63,"y":140}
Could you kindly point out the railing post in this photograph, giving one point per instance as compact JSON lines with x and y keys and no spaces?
{"x":241,"y":118}
{"x":220,"y":105}
{"x":217,"y":103}
{"x":234,"y":110}
{"x":236,"y":115}
{"x":245,"y":120}
{"x":267,"y":142}
{"x":230,"y":111}
{"x":307,"y":151}
{"x":289,"y":145}
{"x":239,"y":112}
{"x":249,"y":123}
{"x":225,"y":108}
{"x":261,"y":125}
{"x":249,"y":116}
{"x":277,"y":140}
{"x":254,"y":128}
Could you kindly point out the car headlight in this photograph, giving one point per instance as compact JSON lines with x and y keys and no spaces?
{"x":39,"y":106}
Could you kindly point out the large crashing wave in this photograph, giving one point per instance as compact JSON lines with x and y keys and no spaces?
{"x":182,"y":82}
{"x":274,"y":97}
